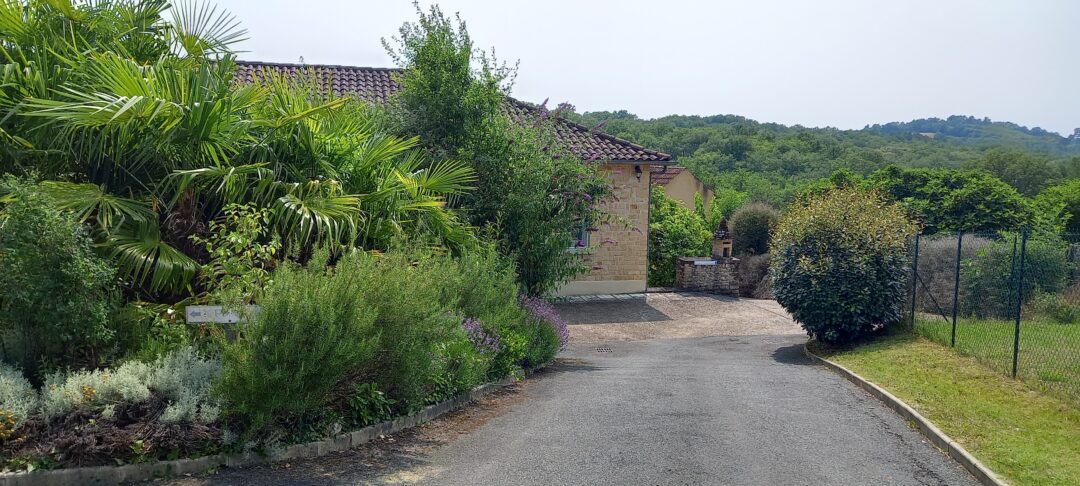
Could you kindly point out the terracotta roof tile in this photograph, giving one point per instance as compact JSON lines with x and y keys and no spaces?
{"x":378,"y":85}
{"x":662,"y":175}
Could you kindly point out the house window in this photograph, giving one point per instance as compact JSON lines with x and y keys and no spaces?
{"x":581,"y":237}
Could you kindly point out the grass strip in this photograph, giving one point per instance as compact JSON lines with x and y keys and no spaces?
{"x":1025,"y":436}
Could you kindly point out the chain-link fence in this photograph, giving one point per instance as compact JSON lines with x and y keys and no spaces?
{"x":1010,"y":299}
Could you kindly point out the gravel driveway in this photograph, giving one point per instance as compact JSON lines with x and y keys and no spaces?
{"x":676,"y":389}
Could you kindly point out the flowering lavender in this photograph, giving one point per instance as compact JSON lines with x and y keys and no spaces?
{"x":543,"y":310}
{"x":485,"y":343}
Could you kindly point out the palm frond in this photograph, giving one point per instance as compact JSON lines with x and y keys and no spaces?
{"x":445,"y":178}
{"x":233,"y":184}
{"x":13,"y":21}
{"x":146,"y":259}
{"x":201,"y":30}
{"x":89,"y":201}
{"x":316,"y":211}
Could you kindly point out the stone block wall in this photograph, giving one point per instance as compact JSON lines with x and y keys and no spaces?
{"x":702,"y":274}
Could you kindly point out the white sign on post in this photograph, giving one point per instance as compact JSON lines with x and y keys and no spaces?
{"x":215,"y":314}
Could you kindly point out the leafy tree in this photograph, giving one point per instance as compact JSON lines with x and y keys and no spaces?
{"x":951,"y":200}
{"x":1027,"y":172}
{"x":530,"y":192}
{"x":674,"y":231}
{"x":727,"y":200}
{"x":839,"y":263}
{"x":1062,"y":202}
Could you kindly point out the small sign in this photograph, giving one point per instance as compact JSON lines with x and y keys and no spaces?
{"x":704,"y":262}
{"x":215,"y":314}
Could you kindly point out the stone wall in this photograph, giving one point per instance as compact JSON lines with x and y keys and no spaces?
{"x":619,"y":255}
{"x":703,"y":274}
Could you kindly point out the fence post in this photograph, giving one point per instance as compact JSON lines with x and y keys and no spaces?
{"x":1019,"y":302}
{"x":914,"y":280}
{"x":956,"y":287}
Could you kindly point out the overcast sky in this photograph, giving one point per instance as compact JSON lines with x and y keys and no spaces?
{"x":842,"y":63}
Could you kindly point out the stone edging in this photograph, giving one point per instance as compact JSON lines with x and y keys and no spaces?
{"x":982,"y":473}
{"x":102,"y":475}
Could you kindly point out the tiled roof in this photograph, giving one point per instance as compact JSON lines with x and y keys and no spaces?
{"x":378,"y":85}
{"x":662,"y":175}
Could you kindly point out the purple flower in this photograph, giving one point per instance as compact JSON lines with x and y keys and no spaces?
{"x":543,"y":311}
{"x":484,"y":342}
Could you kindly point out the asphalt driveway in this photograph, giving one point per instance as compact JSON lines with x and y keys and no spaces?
{"x":672,"y":390}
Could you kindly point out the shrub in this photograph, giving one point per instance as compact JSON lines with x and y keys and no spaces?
{"x":674,"y":231}
{"x":17,"y":396}
{"x":542,"y":344}
{"x":987,"y":278}
{"x":750,"y":228}
{"x":239,"y":262}
{"x":543,"y":311}
{"x":45,"y":253}
{"x":315,"y":327}
{"x":754,"y":276}
{"x":422,"y":348}
{"x":839,"y":263}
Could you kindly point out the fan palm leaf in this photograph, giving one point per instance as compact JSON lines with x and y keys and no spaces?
{"x":146,"y":259}
{"x":199,"y":29}
{"x":91,"y":202}
{"x":316,"y":211}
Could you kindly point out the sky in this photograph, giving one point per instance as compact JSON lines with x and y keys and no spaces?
{"x":840,"y":63}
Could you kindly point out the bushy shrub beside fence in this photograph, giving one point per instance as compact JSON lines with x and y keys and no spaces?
{"x":839,"y":264}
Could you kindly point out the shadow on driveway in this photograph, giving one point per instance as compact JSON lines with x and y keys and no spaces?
{"x":793,"y":355}
{"x":625,"y":311}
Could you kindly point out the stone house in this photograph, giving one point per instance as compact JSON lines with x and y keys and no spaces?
{"x":617,"y":253}
{"x":681,"y":184}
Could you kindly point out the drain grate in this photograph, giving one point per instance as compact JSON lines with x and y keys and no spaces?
{"x":603,"y":349}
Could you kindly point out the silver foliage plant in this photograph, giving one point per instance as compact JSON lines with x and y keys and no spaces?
{"x":183,"y":378}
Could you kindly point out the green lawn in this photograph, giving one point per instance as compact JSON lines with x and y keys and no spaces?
{"x":1027,"y":437}
{"x":1049,"y":351}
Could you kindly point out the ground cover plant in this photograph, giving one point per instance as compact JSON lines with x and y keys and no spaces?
{"x":1025,"y":436}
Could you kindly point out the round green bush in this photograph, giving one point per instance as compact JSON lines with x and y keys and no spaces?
{"x":750,"y":227}
{"x":839,"y":263}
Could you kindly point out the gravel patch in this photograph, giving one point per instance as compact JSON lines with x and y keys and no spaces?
{"x":675,"y":315}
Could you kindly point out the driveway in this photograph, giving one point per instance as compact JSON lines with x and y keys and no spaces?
{"x":676,"y":389}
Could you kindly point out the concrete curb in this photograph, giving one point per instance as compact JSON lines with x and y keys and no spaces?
{"x":982,"y":473}
{"x":103,"y":475}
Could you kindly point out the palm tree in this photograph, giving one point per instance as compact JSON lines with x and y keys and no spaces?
{"x":138,"y":125}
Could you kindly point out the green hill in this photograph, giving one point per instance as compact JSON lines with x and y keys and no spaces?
{"x":773,"y":161}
